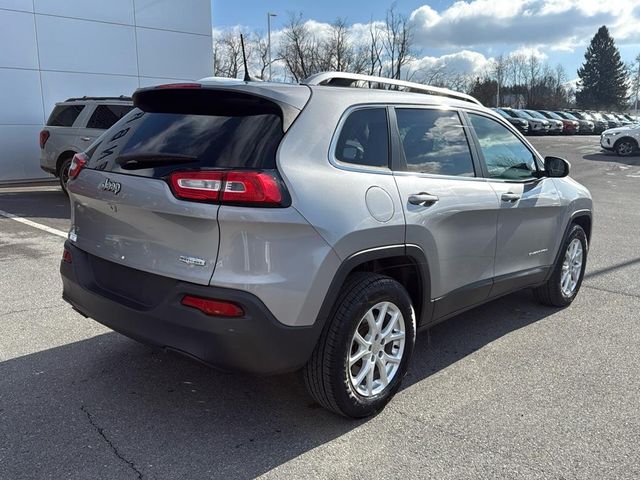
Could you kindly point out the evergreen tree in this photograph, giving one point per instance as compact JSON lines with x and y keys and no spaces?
{"x":603,"y":76}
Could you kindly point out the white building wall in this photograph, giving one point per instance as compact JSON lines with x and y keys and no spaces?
{"x":56,"y":49}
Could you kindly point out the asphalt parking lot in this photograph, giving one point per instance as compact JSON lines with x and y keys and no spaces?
{"x":508,"y":390}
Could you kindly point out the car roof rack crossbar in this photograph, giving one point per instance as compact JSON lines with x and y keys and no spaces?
{"x":343,"y":79}
{"x":75,"y":99}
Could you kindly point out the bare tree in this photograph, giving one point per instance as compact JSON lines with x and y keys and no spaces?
{"x":374,"y":49}
{"x":337,"y":49}
{"x":227,"y":52}
{"x":498,"y":70}
{"x":515,"y":68}
{"x":298,"y":48}
{"x":260,"y":54}
{"x":397,"y":40}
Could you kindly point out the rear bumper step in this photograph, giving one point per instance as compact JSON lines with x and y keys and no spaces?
{"x":255,"y":343}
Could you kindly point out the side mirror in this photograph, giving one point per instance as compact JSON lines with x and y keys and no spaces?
{"x":556,"y":167}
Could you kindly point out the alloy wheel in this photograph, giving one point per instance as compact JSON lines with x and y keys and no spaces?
{"x":376,"y":349}
{"x":624,"y":148}
{"x":571,"y":268}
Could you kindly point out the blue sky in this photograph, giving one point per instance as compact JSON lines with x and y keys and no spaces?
{"x":467,"y":33}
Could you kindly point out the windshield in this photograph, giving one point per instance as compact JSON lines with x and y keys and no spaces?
{"x":535,"y":114}
{"x":569,"y":116}
{"x":509,"y":113}
{"x":523,"y":114}
{"x":553,"y":115}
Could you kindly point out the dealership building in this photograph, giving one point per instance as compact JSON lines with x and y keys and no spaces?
{"x":52,"y":50}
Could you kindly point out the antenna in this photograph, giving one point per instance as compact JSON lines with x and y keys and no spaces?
{"x":247,"y":77}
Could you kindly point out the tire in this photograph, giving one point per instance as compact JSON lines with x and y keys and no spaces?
{"x":553,"y":293}
{"x":625,"y":147}
{"x":328,"y":376}
{"x":63,"y":174}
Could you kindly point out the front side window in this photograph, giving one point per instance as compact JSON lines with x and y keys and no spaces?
{"x":364,"y":139}
{"x":504,"y":154}
{"x":434,"y":141}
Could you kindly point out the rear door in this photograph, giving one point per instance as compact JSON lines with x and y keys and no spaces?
{"x":530,"y":215}
{"x":450,"y":210}
{"x":123,"y":208}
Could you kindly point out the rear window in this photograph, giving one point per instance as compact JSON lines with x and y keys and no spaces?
{"x":104,"y":116}
{"x":155,"y":143}
{"x":64,"y":115}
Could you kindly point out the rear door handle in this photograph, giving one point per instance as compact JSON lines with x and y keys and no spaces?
{"x":85,"y":139}
{"x":510,"y":197}
{"x":422,"y":199}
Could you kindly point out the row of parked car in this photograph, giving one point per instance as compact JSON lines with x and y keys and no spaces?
{"x":546,"y":122}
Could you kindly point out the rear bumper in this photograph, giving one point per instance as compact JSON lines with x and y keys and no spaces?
{"x":47,"y":162}
{"x":255,"y":343}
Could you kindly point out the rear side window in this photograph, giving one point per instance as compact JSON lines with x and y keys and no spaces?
{"x":64,"y":115}
{"x":364,"y":138}
{"x":434,"y":141}
{"x":104,"y":116}
{"x":153,"y":144}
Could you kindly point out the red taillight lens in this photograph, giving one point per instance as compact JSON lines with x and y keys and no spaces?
{"x":218,"y":308}
{"x":197,"y":185}
{"x":77,"y":164}
{"x":251,"y":187}
{"x":235,"y":187}
{"x":66,"y":256}
{"x":44,"y":136}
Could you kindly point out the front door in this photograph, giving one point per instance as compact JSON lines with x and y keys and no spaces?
{"x":530,"y":216}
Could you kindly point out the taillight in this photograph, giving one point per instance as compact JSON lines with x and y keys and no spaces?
{"x":251,"y":187}
{"x":44,"y":136}
{"x":77,"y":164}
{"x":218,"y":308}
{"x":240,"y":187}
{"x":197,"y":185}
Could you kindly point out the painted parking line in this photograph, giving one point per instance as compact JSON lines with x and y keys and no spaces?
{"x":39,"y":226}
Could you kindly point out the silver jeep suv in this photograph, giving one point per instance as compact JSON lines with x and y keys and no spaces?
{"x":267,"y":228}
{"x":72,"y":126}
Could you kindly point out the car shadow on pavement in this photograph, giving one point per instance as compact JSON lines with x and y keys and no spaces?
{"x":108,"y":407}
{"x":613,"y":158}
{"x":52,"y":204}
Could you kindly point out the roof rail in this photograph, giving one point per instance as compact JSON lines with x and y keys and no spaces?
{"x":342,"y":79}
{"x":75,"y":99}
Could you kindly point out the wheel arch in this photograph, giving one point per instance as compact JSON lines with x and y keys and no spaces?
{"x":583,"y":218}
{"x":407,"y":264}
{"x":62,"y":157}
{"x":631,"y":139}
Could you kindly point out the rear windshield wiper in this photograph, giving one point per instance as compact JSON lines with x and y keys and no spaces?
{"x":137,"y":161}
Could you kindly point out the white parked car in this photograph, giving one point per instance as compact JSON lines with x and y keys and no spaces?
{"x":624,"y":141}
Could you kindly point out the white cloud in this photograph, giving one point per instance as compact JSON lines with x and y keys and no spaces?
{"x":554,"y":24}
{"x":464,"y":62}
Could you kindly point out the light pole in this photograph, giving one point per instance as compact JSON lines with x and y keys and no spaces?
{"x":269,"y":15}
{"x":637,"y":86}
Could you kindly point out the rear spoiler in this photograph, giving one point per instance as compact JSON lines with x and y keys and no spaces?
{"x":224,"y":99}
